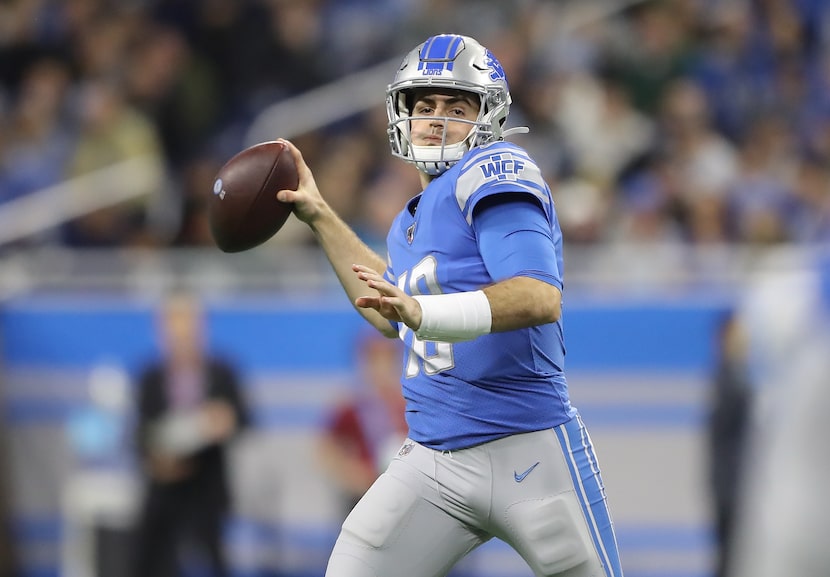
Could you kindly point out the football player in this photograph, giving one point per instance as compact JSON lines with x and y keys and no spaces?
{"x":472,"y":284}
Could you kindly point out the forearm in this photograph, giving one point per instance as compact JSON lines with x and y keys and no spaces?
{"x":344,"y":248}
{"x":522,"y":302}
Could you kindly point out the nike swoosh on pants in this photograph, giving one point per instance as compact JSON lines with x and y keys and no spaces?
{"x":521,"y":476}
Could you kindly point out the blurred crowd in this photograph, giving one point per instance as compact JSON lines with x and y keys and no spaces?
{"x":665,"y":121}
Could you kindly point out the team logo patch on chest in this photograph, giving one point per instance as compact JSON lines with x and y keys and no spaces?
{"x":501,"y":167}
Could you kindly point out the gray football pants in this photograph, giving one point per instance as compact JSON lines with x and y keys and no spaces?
{"x":539,"y":492}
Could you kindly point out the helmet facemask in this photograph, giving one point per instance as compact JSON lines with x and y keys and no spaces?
{"x":463,"y":65}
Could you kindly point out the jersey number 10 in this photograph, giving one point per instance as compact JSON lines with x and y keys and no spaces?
{"x":433,"y":356}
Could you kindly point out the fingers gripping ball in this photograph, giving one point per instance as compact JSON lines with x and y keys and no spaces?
{"x":243,"y":210}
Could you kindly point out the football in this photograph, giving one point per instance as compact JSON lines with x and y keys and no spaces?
{"x":243,"y":210}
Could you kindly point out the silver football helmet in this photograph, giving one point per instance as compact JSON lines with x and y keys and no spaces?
{"x":447,"y":61}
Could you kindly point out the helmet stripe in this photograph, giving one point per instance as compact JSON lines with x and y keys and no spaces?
{"x":439,"y":52}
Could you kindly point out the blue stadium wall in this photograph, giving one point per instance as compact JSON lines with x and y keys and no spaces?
{"x":639,"y":372}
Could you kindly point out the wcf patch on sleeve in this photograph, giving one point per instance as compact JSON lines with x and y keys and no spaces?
{"x":502,"y":166}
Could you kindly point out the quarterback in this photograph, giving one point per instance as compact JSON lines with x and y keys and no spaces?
{"x":472,"y":284}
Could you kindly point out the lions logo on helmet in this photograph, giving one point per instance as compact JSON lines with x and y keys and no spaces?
{"x":497,"y":71}
{"x":448,"y":61}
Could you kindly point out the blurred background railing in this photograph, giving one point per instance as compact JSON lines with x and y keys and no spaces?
{"x":623,"y":270}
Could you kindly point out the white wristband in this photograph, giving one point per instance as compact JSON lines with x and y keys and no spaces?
{"x":454,"y":317}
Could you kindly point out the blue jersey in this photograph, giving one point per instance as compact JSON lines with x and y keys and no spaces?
{"x":463,"y":394}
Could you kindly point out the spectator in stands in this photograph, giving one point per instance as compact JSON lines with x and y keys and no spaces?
{"x":176,"y":89}
{"x":113,"y":132}
{"x":36,"y":139}
{"x":761,"y":200}
{"x":195,"y":74}
{"x":732,"y":66}
{"x":703,"y":161}
{"x":812,"y":189}
{"x":602,"y":128}
{"x":654,"y":51}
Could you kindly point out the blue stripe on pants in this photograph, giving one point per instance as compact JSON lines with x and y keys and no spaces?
{"x":582,"y":462}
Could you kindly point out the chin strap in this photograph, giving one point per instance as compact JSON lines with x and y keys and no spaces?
{"x":515,"y":130}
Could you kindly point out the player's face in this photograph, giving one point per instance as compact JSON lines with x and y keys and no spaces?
{"x":437,"y":107}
